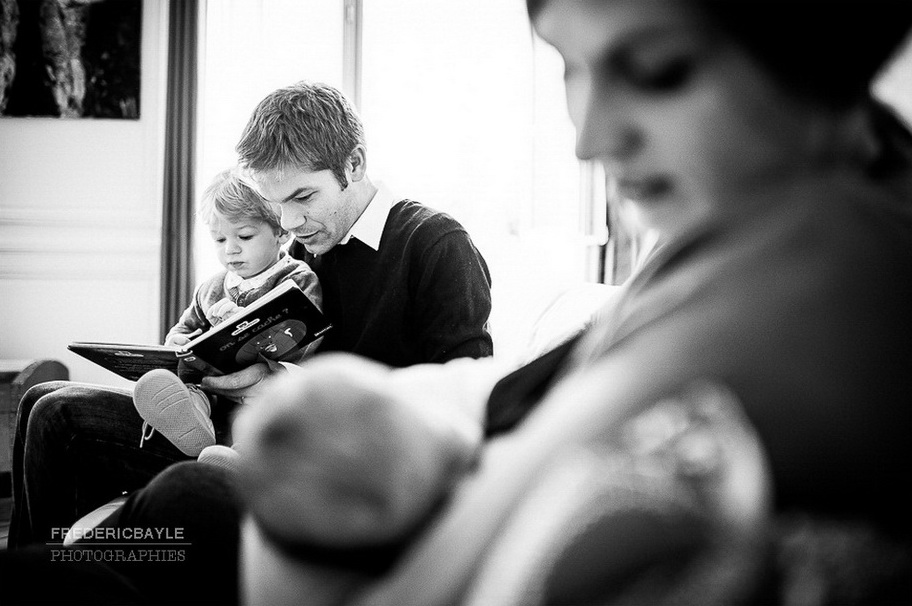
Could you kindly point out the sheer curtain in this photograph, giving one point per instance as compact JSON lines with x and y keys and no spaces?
{"x":464,"y":110}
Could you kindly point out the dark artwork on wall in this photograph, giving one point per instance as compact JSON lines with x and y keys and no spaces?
{"x":70,"y":58}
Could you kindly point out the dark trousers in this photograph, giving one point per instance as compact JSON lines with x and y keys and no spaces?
{"x":167,"y":545}
{"x":76,"y":447}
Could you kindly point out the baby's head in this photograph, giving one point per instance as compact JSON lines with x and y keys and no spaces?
{"x":245,"y":229}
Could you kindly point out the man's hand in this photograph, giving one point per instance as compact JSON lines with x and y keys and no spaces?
{"x":240,"y":385}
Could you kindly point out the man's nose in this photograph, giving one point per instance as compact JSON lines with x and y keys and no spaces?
{"x":291,"y":218}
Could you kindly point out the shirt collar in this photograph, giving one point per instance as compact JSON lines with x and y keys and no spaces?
{"x":369,"y":226}
{"x":232,"y":280}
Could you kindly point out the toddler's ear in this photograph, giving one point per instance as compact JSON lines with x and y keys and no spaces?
{"x":284,"y":237}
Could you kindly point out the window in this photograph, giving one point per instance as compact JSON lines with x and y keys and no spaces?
{"x":464,"y":111}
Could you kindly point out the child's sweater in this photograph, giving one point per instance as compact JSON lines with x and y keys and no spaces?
{"x":242,"y":292}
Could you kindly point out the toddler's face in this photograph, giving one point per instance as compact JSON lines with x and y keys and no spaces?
{"x":245,"y":246}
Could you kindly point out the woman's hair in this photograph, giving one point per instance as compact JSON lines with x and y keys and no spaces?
{"x":229,"y":197}
{"x":828,"y":50}
{"x":306,"y":125}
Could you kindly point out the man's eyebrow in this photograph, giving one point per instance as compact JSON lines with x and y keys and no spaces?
{"x":296,"y":193}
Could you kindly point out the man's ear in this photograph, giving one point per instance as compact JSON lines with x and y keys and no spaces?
{"x":357,"y":163}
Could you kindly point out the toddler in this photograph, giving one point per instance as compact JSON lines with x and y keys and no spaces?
{"x":248,"y":242}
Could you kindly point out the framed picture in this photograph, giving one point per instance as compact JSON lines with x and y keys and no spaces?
{"x":70,"y":58}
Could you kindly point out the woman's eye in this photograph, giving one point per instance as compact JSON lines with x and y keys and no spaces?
{"x":664,"y":76}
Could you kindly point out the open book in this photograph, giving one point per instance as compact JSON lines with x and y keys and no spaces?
{"x":277,"y":326}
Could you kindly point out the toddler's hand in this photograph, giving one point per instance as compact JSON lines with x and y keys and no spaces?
{"x":181,"y":339}
{"x":222,"y":310}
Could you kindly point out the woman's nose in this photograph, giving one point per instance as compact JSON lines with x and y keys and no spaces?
{"x":605,"y":131}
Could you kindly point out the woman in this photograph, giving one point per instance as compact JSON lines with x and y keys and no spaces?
{"x":781,"y":193}
{"x":745,"y":134}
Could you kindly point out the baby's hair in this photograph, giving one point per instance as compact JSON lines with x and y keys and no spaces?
{"x":231,"y":197}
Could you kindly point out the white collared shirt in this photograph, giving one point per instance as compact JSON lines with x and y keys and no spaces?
{"x":369,"y":226}
{"x":232,"y":280}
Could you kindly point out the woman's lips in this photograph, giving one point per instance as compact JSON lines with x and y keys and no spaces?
{"x":643,"y":189}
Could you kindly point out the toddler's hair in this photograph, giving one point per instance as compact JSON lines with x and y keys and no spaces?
{"x":306,"y":125}
{"x":230,"y":197}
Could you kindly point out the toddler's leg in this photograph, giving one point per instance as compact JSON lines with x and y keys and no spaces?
{"x":180,"y":412}
{"x":225,"y":457}
{"x":332,"y":458}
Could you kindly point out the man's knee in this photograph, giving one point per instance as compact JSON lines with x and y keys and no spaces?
{"x":33,"y":395}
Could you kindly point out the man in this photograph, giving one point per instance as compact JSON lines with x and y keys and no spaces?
{"x":403,"y":284}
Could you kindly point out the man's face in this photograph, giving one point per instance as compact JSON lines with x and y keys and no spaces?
{"x":314,"y":207}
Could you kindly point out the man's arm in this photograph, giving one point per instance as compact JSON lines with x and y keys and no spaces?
{"x":451,"y":299}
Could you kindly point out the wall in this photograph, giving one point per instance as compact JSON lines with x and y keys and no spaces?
{"x":80,"y":202}
{"x":80,"y":221}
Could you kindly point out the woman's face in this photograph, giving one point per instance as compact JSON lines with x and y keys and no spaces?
{"x":678,"y":114}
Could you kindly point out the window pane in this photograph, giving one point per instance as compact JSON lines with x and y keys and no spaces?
{"x":250,"y":48}
{"x":464,"y":111}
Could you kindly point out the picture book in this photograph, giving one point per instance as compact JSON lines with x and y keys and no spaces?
{"x":277,"y":327}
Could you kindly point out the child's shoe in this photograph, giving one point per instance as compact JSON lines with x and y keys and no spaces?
{"x":178,"y":411}
{"x":220,"y":456}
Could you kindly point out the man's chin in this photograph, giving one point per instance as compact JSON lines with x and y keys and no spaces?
{"x":313,"y":248}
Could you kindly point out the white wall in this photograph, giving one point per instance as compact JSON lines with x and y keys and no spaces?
{"x":80,"y":221}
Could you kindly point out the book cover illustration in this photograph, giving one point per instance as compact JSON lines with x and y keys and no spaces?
{"x":277,"y":326}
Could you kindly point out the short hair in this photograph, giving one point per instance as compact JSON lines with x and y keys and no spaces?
{"x":826,"y":50}
{"x":230,"y":197}
{"x":307,"y":125}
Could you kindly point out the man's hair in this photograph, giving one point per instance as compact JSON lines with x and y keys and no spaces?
{"x":229,"y":197}
{"x":306,"y":125}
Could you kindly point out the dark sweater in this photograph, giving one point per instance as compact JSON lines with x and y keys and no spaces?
{"x":424,"y":296}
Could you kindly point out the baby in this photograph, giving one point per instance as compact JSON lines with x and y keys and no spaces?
{"x":248,"y":242}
